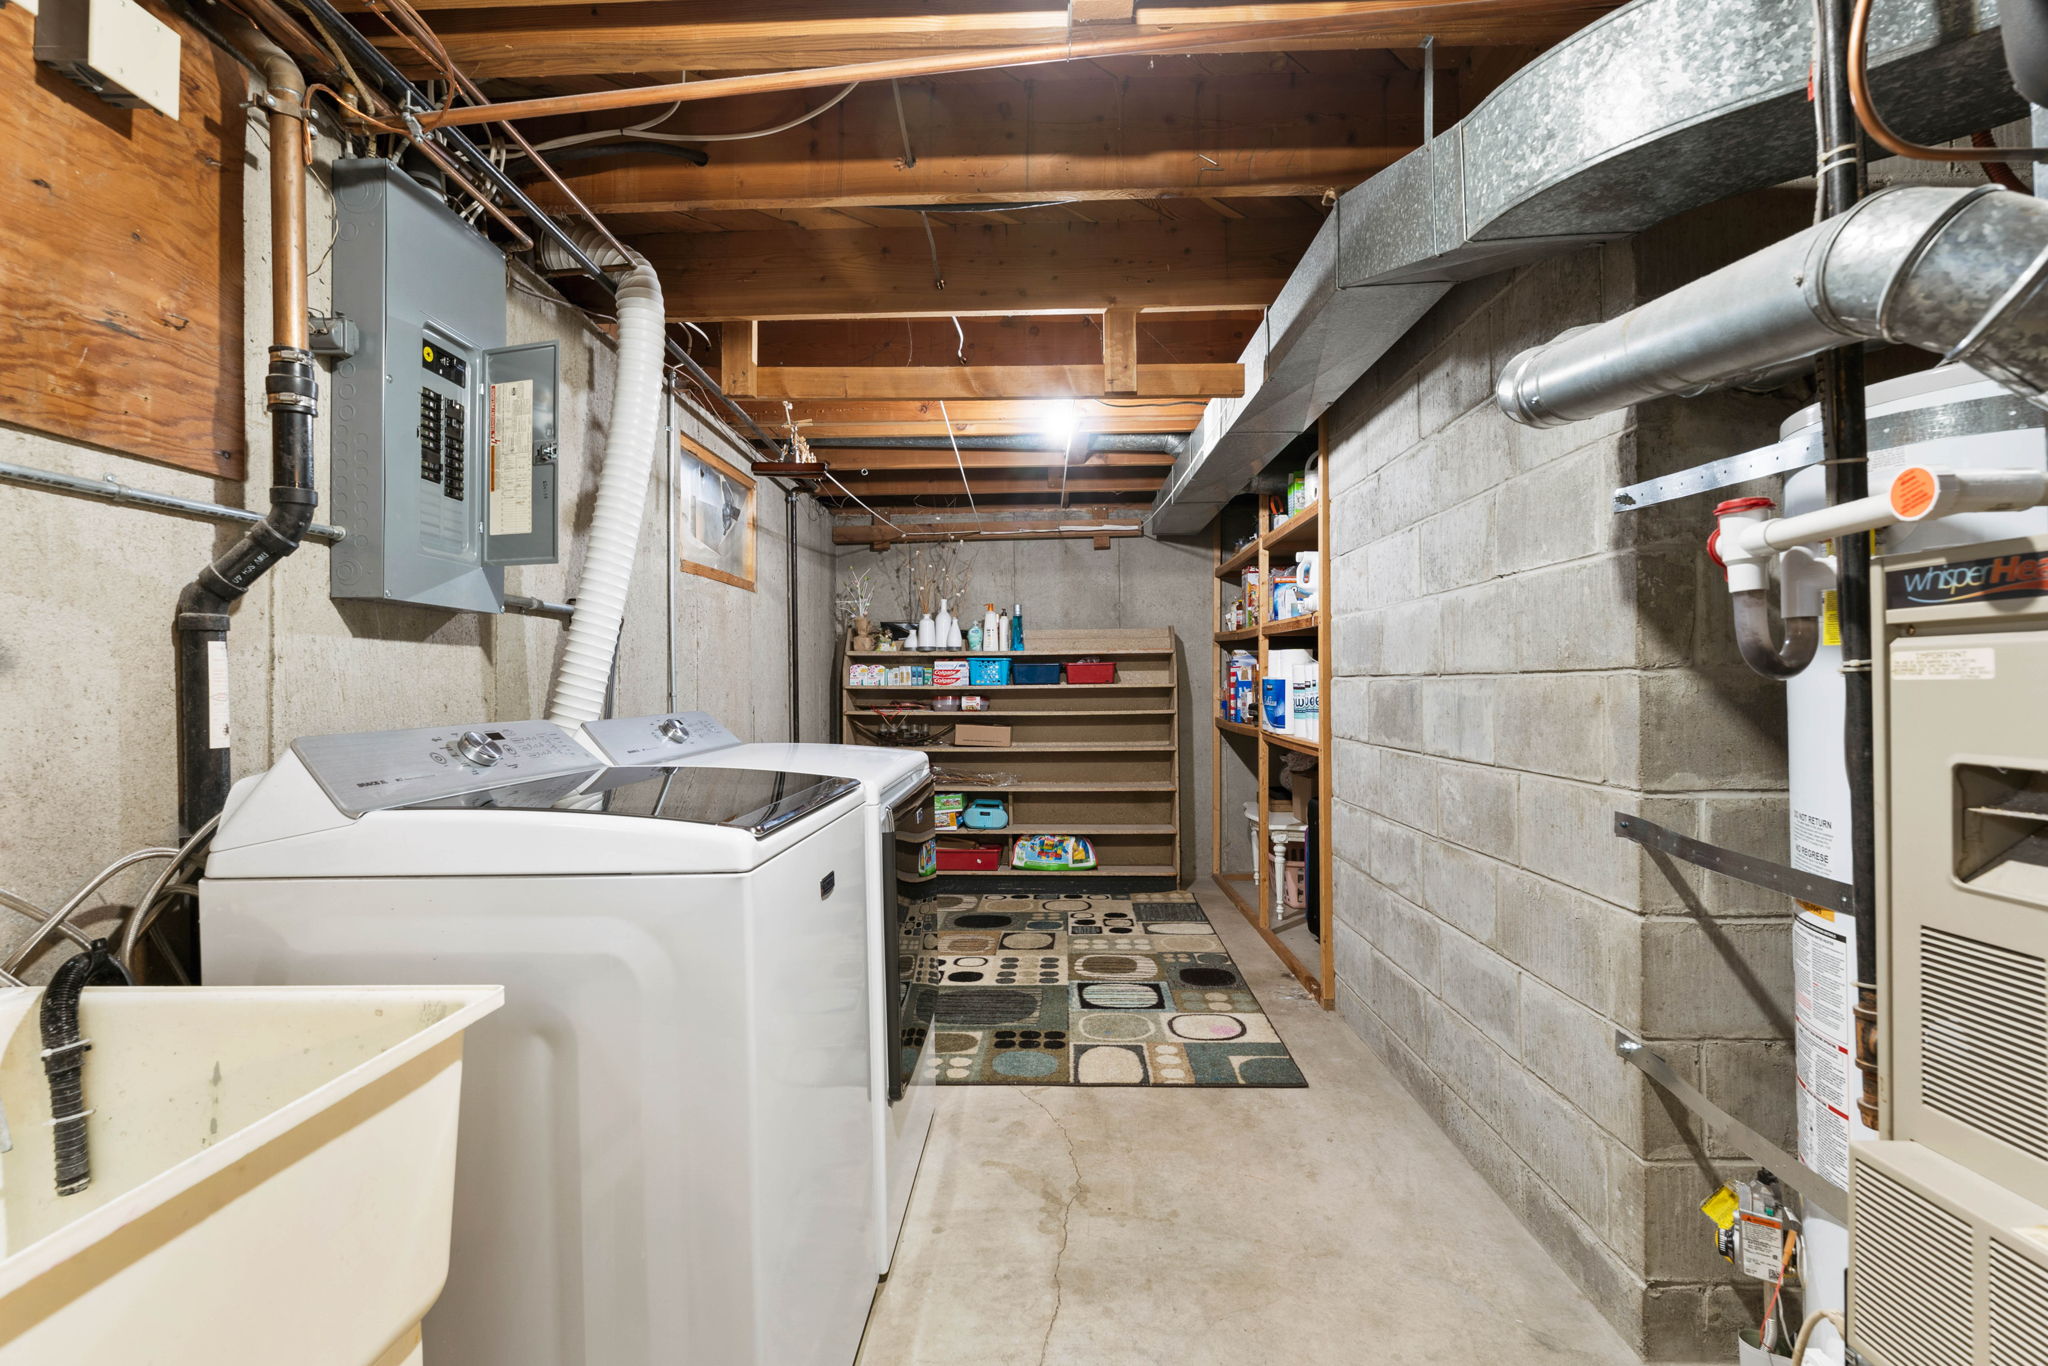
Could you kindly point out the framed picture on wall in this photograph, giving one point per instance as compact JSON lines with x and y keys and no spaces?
{"x":714,"y":517}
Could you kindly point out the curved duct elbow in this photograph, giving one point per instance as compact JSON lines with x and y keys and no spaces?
{"x":1960,"y":272}
{"x":591,"y":642}
{"x":1761,"y":649}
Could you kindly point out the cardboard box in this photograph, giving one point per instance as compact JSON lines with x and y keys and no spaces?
{"x":981,"y":734}
{"x":946,"y":809}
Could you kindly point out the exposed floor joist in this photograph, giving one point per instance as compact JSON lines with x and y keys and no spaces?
{"x":571,"y":38}
{"x":1201,"y":338}
{"x":989,"y":140}
{"x":988,"y":381}
{"x":1031,"y":268}
{"x":849,"y":462}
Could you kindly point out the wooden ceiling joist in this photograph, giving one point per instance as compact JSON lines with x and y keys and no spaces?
{"x":1204,"y":338}
{"x":1082,"y":522}
{"x":992,"y":269}
{"x":942,"y":485}
{"x":986,"y":140}
{"x":574,"y":37}
{"x":851,"y":462}
{"x":988,"y":381}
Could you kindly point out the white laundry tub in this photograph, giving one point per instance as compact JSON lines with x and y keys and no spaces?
{"x":272,"y":1176}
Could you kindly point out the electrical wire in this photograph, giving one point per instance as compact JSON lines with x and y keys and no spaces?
{"x":641,"y":132}
{"x":856,"y":498}
{"x":962,"y":464}
{"x":1881,"y":132}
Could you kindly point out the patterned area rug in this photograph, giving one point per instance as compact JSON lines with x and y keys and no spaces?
{"x":1092,"y":991}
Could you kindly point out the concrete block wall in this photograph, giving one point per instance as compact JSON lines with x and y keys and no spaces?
{"x":1515,"y":663}
{"x":87,"y":745}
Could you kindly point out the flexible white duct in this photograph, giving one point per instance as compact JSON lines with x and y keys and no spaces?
{"x":585,"y":672}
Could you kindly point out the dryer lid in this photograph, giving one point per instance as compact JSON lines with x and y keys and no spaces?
{"x":758,"y":801}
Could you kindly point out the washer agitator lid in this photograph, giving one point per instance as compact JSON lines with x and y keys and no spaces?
{"x":754,"y":800}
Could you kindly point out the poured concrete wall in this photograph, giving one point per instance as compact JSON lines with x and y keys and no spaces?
{"x":1138,"y":583}
{"x":87,"y":742}
{"x":1514,"y":664}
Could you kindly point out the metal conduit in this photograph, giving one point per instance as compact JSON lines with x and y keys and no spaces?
{"x":1960,"y":272}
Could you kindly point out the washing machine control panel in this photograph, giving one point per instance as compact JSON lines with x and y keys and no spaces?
{"x":363,"y":773}
{"x":660,"y":739}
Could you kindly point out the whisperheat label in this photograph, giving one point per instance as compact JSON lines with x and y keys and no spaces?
{"x":1998,"y":576}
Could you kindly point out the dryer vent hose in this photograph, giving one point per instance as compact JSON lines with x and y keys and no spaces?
{"x":591,"y":646}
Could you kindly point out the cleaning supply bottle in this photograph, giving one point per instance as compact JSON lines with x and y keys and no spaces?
{"x":1017,"y":627}
{"x":927,"y":633}
{"x":991,"y":630}
{"x":1003,"y":632}
{"x":974,"y":638}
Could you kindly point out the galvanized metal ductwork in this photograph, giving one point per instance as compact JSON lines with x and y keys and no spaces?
{"x":1963,"y":273}
{"x":1658,"y":107}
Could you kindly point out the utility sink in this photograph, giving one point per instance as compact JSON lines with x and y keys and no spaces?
{"x":273,"y":1172}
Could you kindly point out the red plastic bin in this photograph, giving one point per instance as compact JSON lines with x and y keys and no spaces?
{"x":1095,"y":671}
{"x":965,"y":858}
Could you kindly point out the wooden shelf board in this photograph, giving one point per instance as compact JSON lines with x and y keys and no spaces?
{"x":1007,"y":687}
{"x":967,"y":652}
{"x":1101,"y":870}
{"x":1145,"y":785}
{"x":1067,"y":828}
{"x":1236,"y":727}
{"x":1231,"y":637}
{"x":1293,"y":626}
{"x":1293,"y":742}
{"x":870,"y":714}
{"x":1228,"y":569}
{"x":1297,"y":532}
{"x":1052,"y":747}
{"x":1303,"y":972}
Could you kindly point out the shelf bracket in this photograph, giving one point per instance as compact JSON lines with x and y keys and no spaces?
{"x":1772,"y":877}
{"x":1819,"y":1192}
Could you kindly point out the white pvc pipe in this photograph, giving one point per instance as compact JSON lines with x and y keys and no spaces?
{"x":592,"y":639}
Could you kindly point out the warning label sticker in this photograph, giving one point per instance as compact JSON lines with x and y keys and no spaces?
{"x":1944,"y":665}
{"x":1825,"y":1025}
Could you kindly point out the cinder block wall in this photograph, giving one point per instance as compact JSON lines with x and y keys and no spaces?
{"x":1514,"y":664}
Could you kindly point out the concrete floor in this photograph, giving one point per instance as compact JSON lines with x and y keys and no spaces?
{"x":1062,"y":1226}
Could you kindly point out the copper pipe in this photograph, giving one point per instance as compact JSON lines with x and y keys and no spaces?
{"x":1392,"y":18}
{"x":284,"y":96}
{"x":1998,"y":172}
{"x":1881,"y":132}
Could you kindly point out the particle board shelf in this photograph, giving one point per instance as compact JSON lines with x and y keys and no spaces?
{"x":1277,"y":539}
{"x":1302,"y":531}
{"x":1100,"y":760}
{"x":1100,"y":870}
{"x":1050,"y":746}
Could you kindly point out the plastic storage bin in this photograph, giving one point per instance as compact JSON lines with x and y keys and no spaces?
{"x":1034,"y":673}
{"x":969,"y":858}
{"x":1091,"y":671}
{"x":984,"y":673}
{"x":273,"y":1173}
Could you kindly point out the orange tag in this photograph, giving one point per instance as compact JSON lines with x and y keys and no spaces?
{"x":1913,"y":491}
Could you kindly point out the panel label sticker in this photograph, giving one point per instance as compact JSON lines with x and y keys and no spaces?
{"x":1986,"y":580}
{"x":511,"y":496}
{"x":1944,"y":666}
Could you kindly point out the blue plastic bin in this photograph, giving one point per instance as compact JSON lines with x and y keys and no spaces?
{"x":1035,"y":673}
{"x":987,"y":673}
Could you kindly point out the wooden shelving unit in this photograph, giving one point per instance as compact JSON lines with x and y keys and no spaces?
{"x":1260,"y":750}
{"x":1094,"y":759}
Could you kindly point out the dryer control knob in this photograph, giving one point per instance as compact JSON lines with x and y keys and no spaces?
{"x":672,"y":729}
{"x":474,"y":747}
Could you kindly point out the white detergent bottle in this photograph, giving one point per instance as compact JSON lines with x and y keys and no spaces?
{"x":991,"y":629}
{"x":1003,"y":631}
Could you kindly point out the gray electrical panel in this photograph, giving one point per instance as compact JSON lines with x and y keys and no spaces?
{"x":444,"y":437}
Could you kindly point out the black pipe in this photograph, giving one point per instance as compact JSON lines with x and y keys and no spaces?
{"x":1839,"y":375}
{"x":796,"y":706}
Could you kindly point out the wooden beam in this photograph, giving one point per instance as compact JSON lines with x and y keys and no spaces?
{"x":981,"y":139}
{"x":558,"y":38}
{"x":1101,"y":11}
{"x":1087,"y":522}
{"x":987,"y":381}
{"x":940,"y":485}
{"x":849,"y":461}
{"x":1041,"y":268}
{"x":1204,"y":338}
{"x":739,"y":346}
{"x":1120,"y":369}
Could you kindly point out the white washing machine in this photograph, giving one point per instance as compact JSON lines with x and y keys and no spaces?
{"x":896,"y":787}
{"x":666,"y":1153}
